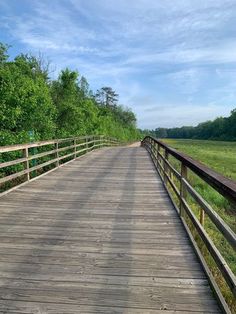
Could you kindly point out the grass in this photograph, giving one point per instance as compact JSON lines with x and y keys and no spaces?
{"x":220,"y":156}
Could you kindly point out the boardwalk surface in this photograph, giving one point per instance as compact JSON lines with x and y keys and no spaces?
{"x":98,"y":235}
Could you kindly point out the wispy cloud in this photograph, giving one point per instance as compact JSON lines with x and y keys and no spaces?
{"x":152,"y":52}
{"x":165,"y":114}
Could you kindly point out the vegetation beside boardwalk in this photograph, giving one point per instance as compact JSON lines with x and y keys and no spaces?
{"x":65,"y":107}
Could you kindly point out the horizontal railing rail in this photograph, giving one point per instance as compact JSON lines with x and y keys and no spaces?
{"x":23,"y":162}
{"x":179,"y":187}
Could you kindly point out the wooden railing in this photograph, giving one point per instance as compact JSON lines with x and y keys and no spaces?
{"x":179,"y":189}
{"x":24,"y":162}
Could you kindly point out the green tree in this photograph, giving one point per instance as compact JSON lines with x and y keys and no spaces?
{"x":218,"y":129}
{"x":76,"y":111}
{"x":25,"y":102}
{"x":3,"y":53}
{"x":64,"y":107}
{"x":106,"y":96}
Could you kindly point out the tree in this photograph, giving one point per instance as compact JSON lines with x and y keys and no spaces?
{"x":125,"y":116}
{"x":3,"y":53}
{"x":77,"y":113}
{"x":64,"y":107}
{"x":106,"y":96}
{"x":218,"y":129}
{"x":84,"y":87}
{"x":25,"y":102}
{"x":64,"y":95}
{"x":161,"y":133}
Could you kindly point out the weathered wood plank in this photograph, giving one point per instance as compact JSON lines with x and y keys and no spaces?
{"x":98,"y":236}
{"x":28,"y":307}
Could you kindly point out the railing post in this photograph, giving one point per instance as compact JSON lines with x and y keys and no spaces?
{"x":74,"y":148}
{"x":26,"y":163}
{"x":166,"y":156}
{"x":158,"y":157}
{"x":93,"y":142}
{"x":202,"y":217}
{"x":183,"y":191}
{"x":155,"y":149}
{"x":171,"y":176}
{"x":86,"y":140}
{"x":57,"y":155}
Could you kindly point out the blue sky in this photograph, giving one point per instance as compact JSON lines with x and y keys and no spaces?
{"x":172,"y":62}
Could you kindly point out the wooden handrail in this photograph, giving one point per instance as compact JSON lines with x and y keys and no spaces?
{"x":55,"y":156}
{"x":10,"y":148}
{"x":223,"y":185}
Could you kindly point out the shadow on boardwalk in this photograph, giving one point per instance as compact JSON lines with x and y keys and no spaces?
{"x":122,"y":295}
{"x":70,"y":212}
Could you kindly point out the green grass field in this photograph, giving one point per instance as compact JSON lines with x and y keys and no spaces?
{"x":220,"y":156}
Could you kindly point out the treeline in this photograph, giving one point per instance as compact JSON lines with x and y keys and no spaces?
{"x":32,"y":103}
{"x":219,"y":129}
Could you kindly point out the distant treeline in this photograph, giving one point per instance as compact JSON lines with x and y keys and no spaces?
{"x":218,"y":129}
{"x":32,"y":103}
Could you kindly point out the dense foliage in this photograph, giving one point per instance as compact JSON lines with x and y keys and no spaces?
{"x":218,"y":129}
{"x":30,"y":101}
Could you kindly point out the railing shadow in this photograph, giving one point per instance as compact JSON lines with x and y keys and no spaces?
{"x":120,"y":296}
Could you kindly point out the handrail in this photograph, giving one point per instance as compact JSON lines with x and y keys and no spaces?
{"x":223,"y":185}
{"x":56,"y":152}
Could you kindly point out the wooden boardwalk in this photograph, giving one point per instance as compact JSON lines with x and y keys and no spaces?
{"x":98,"y":235}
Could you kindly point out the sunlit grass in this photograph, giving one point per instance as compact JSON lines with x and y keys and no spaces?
{"x":220,"y":156}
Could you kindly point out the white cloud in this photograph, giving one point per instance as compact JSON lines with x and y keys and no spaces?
{"x":179,"y":115}
{"x":146,"y":49}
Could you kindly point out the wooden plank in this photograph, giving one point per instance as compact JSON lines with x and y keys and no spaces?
{"x":29,"y":307}
{"x":11,"y":148}
{"x":12,"y":162}
{"x":98,"y":236}
{"x":105,"y":297}
{"x":13,"y":176}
